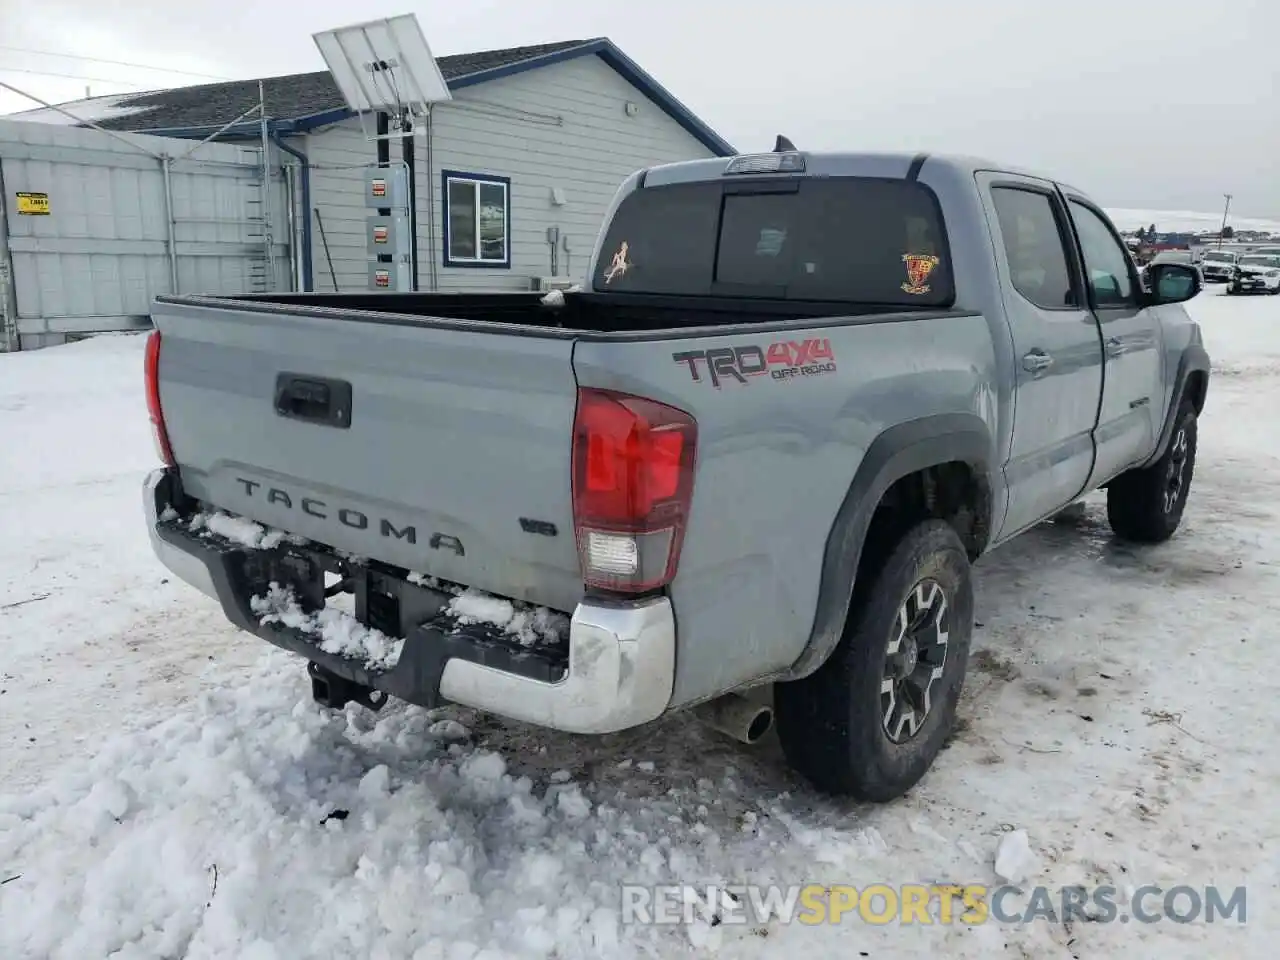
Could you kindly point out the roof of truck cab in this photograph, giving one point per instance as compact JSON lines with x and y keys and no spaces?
{"x":829,"y":163}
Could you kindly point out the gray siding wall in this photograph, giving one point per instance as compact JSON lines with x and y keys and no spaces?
{"x":563,"y":126}
{"x":337,"y":197}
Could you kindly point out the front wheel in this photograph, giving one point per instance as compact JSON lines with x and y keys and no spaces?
{"x":869,"y":722}
{"x":1146,"y":505}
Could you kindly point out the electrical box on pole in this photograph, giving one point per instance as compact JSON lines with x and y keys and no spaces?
{"x":385,"y":67}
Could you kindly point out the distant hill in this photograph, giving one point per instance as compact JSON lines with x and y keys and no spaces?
{"x":1186,"y":221}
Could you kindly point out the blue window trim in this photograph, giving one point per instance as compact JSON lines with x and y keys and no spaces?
{"x":445,"y":177}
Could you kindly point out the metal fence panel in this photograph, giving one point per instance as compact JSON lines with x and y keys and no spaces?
{"x":96,"y":225}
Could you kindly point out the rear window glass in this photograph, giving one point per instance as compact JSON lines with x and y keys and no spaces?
{"x":844,"y":239}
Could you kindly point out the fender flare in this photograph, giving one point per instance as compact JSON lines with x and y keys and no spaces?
{"x":897,"y":452}
{"x":1194,"y":359}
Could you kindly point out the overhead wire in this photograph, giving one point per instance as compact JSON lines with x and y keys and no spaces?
{"x":71,"y":76}
{"x":114,"y":63}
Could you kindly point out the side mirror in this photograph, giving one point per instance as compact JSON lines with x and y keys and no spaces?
{"x":1173,"y":283}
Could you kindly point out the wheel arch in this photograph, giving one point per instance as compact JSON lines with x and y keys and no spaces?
{"x":1190,"y":380}
{"x":899,"y":454}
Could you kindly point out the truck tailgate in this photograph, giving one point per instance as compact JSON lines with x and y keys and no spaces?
{"x":452,"y":456}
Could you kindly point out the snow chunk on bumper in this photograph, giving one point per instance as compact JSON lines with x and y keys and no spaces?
{"x":337,"y":631}
{"x":240,"y":530}
{"x":531,"y":626}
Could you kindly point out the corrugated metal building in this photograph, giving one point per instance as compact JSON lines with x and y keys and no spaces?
{"x":94,"y":225}
{"x":536,"y":137}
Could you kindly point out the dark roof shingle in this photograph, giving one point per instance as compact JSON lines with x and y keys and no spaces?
{"x":287,"y":98}
{"x":302,"y":101}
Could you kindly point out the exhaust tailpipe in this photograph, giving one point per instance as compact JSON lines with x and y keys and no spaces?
{"x":737,"y":717}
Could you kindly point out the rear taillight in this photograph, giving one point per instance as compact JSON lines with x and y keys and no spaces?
{"x":633,"y":463}
{"x":152,"y":367}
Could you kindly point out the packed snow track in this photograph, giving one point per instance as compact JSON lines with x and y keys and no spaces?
{"x":169,"y":789}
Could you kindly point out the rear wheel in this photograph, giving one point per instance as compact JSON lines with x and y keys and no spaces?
{"x":870,"y":721}
{"x":1146,"y":505}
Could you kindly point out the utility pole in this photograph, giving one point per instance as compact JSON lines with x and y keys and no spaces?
{"x":1224,"y":219}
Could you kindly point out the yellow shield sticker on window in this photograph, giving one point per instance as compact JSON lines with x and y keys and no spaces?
{"x":919,"y":266}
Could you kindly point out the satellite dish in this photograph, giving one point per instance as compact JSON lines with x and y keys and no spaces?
{"x":383,"y":66}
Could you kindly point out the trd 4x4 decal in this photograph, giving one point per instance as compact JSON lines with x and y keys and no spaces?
{"x":781,"y":360}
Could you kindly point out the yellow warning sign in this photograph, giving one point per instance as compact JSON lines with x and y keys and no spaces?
{"x":33,"y":204}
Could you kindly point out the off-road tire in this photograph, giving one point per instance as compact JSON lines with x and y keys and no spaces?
{"x":832,"y":723}
{"x":1142,"y":505}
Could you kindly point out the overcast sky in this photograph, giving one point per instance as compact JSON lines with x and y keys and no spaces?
{"x":1165,"y":104}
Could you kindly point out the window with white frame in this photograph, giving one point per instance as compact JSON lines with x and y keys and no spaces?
{"x":477,"y":220}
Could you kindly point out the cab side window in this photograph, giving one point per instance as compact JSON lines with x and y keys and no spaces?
{"x":1106,"y":262}
{"x":1033,"y":247}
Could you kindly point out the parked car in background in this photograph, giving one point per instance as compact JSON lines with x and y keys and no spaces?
{"x":1176,"y":256}
{"x":1219,"y":266}
{"x":1256,"y":273}
{"x":1189,"y":257}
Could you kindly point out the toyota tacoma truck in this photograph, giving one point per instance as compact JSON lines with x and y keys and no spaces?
{"x":745,"y":470}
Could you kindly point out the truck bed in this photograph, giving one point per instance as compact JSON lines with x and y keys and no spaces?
{"x":577,"y":314}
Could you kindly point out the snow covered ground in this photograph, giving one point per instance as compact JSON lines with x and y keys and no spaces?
{"x":169,"y":790}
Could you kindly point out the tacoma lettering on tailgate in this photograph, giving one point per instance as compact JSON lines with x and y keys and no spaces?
{"x":781,"y":360}
{"x":347,"y":516}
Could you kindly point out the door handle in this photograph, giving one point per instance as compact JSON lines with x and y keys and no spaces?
{"x":1037,"y":361}
{"x":1114,"y":347}
{"x":314,"y":400}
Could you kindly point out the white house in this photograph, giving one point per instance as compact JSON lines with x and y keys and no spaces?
{"x":535,"y":138}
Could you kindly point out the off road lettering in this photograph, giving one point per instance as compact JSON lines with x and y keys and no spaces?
{"x":781,"y":360}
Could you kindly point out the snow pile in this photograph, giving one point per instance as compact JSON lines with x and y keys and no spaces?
{"x":432,"y":583}
{"x":529,"y":625}
{"x":555,"y":298}
{"x":111,"y":107}
{"x":240,"y":530}
{"x":339,"y":632}
{"x":258,"y":826}
{"x":1015,"y":861}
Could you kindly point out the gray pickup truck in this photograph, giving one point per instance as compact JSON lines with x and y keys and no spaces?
{"x":745,"y":470}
